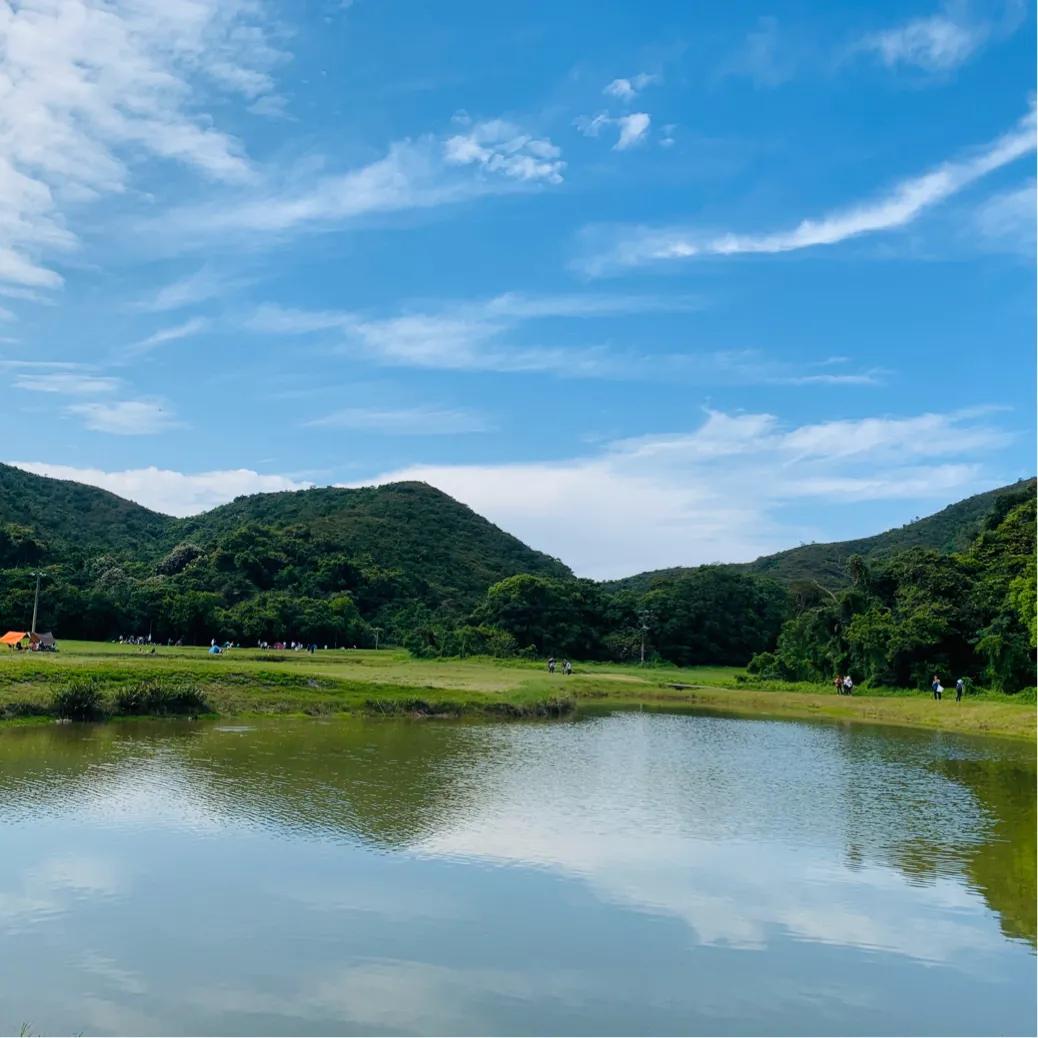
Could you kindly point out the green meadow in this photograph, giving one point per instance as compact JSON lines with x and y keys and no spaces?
{"x":250,"y":681}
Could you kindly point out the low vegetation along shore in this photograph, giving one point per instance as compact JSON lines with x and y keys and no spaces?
{"x":89,"y":680}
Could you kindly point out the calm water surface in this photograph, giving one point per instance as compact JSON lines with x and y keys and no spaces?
{"x":634,"y":873}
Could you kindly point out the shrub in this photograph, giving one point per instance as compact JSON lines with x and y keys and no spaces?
{"x":765,"y":665}
{"x":150,"y":697}
{"x":79,"y":700}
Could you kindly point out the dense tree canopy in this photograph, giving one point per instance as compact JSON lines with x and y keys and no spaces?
{"x":971,"y":614}
{"x":336,"y":566}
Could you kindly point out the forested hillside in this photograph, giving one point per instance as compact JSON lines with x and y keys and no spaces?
{"x":950,"y":530}
{"x":953,"y":593}
{"x":919,"y":613}
{"x":323,"y":564}
{"x":60,"y":517}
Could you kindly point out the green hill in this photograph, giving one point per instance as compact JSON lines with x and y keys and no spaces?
{"x":952,"y":529}
{"x":72,"y":517}
{"x":412,"y":528}
{"x":385,"y":555}
{"x":405,"y":562}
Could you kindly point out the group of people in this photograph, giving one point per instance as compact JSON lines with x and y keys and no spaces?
{"x":938,"y":689}
{"x":567,"y":667}
{"x":293,"y":646}
{"x":844,"y":685}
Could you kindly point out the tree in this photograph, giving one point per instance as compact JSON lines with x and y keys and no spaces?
{"x":715,"y":615}
{"x":560,"y":617}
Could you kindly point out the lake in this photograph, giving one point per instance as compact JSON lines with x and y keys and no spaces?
{"x":620,"y":874}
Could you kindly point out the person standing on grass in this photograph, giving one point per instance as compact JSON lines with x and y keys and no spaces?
{"x":551,"y":664}
{"x":848,"y":685}
{"x":567,"y":667}
{"x":937,"y":687}
{"x":838,"y":683}
{"x":960,"y":689}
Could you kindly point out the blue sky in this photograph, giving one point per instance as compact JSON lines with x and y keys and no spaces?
{"x":646,"y":285}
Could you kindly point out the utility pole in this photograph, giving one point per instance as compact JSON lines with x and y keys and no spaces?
{"x":378,"y":631}
{"x":36,"y":601}
{"x":643,"y":619}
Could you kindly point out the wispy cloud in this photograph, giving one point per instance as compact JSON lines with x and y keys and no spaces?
{"x":485,"y":335}
{"x":630,"y":247}
{"x":499,"y":146}
{"x":627,"y":89}
{"x":198,"y":287}
{"x":68,"y":383}
{"x":83,"y":81}
{"x":416,"y":421}
{"x":125,"y":417}
{"x":190,"y":327}
{"x":765,"y":56}
{"x":1006,"y":220}
{"x":631,"y":129}
{"x":476,"y":335}
{"x":517,"y":304}
{"x":662,"y":500}
{"x":39,"y":365}
{"x":171,"y":492}
{"x":939,"y":42}
{"x":488,"y":158}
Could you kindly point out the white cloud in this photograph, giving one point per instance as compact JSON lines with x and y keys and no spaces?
{"x":190,"y":327}
{"x":516,"y":304}
{"x":903,"y":204}
{"x":628,"y":89}
{"x":501,"y":147}
{"x":84,"y":82}
{"x":938,"y":43}
{"x":765,"y":56}
{"x":40,"y":365}
{"x":592,"y":125}
{"x":417,"y":421}
{"x":174,"y":493}
{"x":125,"y":417}
{"x":474,"y":335}
{"x":1007,"y":220}
{"x":494,"y":157}
{"x":717,"y":493}
{"x":633,"y":129}
{"x":68,"y":383}
{"x":198,"y":287}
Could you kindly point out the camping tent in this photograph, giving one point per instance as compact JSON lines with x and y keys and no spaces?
{"x":43,"y":641}
{"x":13,"y":638}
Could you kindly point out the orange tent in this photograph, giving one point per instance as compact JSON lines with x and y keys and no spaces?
{"x":12,"y":638}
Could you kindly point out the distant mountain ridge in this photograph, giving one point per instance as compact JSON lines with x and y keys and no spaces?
{"x":412,"y":528}
{"x":68,"y":515}
{"x":946,"y":531}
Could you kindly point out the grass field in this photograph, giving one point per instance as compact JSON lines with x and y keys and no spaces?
{"x":245,"y":681}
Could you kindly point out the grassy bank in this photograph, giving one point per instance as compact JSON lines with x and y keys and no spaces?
{"x":247,"y":681}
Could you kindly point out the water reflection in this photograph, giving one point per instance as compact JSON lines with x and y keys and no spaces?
{"x":624,"y":873}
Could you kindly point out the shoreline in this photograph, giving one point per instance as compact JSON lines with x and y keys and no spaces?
{"x":976,"y":717}
{"x":389,"y":683}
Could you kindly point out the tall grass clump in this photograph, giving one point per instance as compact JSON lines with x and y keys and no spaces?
{"x":79,"y":700}
{"x":151,"y":697}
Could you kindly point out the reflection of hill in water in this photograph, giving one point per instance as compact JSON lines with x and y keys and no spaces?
{"x":449,"y":788}
{"x":375,"y":782}
{"x":1003,"y":866}
{"x":1000,"y":860}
